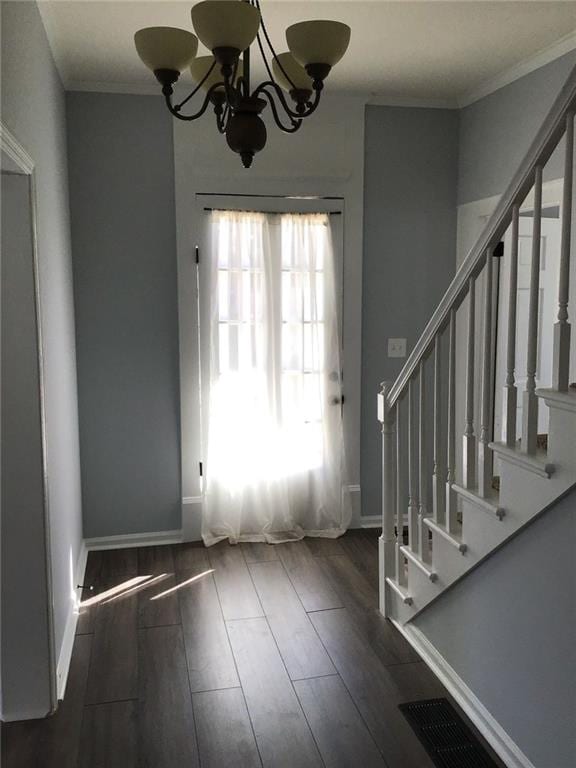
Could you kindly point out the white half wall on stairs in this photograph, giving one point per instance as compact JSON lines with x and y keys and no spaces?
{"x":509,"y":632}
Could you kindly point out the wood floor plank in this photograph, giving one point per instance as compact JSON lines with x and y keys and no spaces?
{"x":156,"y":609}
{"x":210,"y":661}
{"x":311,"y":585}
{"x":372,"y":535}
{"x":382,"y":637}
{"x":374,"y":690}
{"x":348,"y":582}
{"x":361,"y":550}
{"x":53,"y":742}
{"x":258,"y":552}
{"x":299,"y":645}
{"x":109,"y":736}
{"x":237,"y":594}
{"x":166,"y":735}
{"x":190,"y":556}
{"x":114,"y":664}
{"x":361,"y":599}
{"x":155,"y":560}
{"x":318,"y":546}
{"x":118,"y":563}
{"x":341,"y":734}
{"x":225,"y":736}
{"x":282,"y":732}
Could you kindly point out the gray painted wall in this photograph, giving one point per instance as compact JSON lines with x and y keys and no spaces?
{"x":33,"y":109}
{"x":509,"y":631}
{"x":305,"y":164}
{"x":26,"y":683}
{"x":409,"y":249}
{"x":124,"y":240}
{"x":496,"y":131}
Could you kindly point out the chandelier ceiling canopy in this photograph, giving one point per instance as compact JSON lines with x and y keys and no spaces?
{"x":228,"y":28}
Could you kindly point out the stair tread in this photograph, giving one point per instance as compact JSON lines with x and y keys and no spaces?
{"x":564,"y":400}
{"x":536,"y":463}
{"x":455,"y":540}
{"x":490,"y":503}
{"x":417,"y":560}
{"x":400,"y":590}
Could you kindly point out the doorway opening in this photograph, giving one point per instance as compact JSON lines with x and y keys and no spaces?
{"x":272,"y":397}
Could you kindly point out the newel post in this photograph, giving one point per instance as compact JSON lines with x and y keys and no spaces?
{"x":387,"y":541}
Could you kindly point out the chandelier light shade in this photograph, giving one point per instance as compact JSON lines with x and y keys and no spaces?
{"x":318,"y":42}
{"x":228,"y":28}
{"x":226,"y":23}
{"x":166,"y":47}
{"x":289,"y":74}
{"x":204,"y":70}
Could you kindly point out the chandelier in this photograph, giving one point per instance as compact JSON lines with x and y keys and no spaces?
{"x":228,"y":28}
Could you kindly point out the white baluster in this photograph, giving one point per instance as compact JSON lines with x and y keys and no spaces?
{"x":401,"y":501}
{"x":469,"y":452}
{"x":530,"y":401}
{"x":485,"y":455}
{"x":387,"y":543}
{"x":412,"y":474}
{"x":451,"y":505}
{"x":439,"y":475}
{"x":510,"y":391}
{"x":561,"y":355}
{"x":424,"y":550}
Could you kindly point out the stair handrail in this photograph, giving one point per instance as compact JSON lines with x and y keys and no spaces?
{"x":538,"y":154}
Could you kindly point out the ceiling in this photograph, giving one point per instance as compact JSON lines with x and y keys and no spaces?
{"x":400,"y":52}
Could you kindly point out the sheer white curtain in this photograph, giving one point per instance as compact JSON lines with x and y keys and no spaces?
{"x":275,"y":450}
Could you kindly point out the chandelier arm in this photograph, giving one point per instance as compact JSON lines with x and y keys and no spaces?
{"x":275,"y":57}
{"x":222,"y":119}
{"x":178,"y":107}
{"x":173,"y":111}
{"x":231,"y":91}
{"x":282,"y":99}
{"x":264,"y":59}
{"x":295,"y":123}
{"x":313,"y":105}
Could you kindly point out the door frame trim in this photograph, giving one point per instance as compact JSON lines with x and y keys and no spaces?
{"x":25,"y":166}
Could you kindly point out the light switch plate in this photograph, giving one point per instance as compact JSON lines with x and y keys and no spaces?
{"x":396,"y":347}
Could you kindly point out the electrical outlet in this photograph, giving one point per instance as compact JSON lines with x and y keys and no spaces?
{"x":396,"y":347}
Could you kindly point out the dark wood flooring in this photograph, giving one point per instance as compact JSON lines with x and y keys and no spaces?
{"x":244,"y":656}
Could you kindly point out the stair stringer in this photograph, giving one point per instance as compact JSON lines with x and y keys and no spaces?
{"x":439,"y":656}
{"x":528,"y":486}
{"x":424,"y":593}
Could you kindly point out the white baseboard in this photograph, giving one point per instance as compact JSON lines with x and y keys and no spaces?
{"x":490,"y":729}
{"x":192,"y":518}
{"x":65,"y":655}
{"x":24,"y":714}
{"x":370,"y":521}
{"x":126,"y":540}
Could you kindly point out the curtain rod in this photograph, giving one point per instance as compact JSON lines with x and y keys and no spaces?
{"x":297,"y":213}
{"x":271,"y":197}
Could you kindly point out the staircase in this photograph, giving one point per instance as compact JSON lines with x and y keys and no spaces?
{"x":446,"y":509}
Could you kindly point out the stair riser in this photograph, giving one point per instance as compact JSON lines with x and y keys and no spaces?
{"x":523,"y":493}
{"x":562,"y":441}
{"x":449,"y":563}
{"x":421,"y":588}
{"x":396,"y":608}
{"x":482,"y":531}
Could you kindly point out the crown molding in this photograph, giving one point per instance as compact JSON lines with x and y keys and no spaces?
{"x":381,"y":100}
{"x":540,"y":59}
{"x":136,"y":89}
